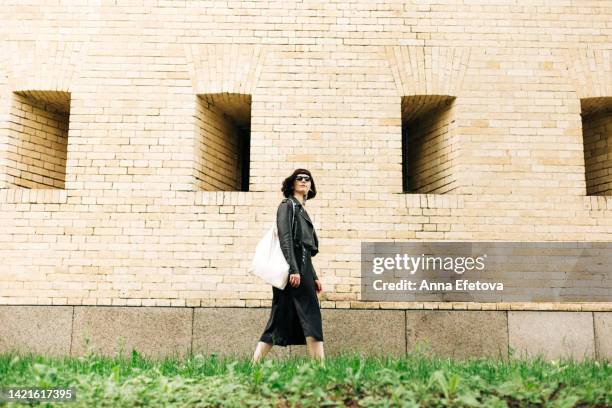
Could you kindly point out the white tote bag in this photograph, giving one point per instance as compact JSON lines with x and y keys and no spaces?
{"x":269,"y":262}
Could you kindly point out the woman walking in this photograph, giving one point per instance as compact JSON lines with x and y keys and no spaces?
{"x":295,"y":317}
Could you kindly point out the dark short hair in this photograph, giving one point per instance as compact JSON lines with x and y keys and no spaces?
{"x":287,"y":188}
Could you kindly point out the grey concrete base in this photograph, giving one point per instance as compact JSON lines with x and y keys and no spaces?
{"x":178,"y":331}
{"x":552,"y":334}
{"x":37,"y":329}
{"x":361,"y":331}
{"x":231,"y":331}
{"x":603,"y":334}
{"x":154,"y":332}
{"x":458,"y":333}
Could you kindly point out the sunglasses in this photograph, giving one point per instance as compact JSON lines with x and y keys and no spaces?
{"x":301,"y":177}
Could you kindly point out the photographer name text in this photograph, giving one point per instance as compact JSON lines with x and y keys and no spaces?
{"x":424,"y":285}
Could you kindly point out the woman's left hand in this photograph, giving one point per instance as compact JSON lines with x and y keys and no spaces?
{"x":319,"y":286}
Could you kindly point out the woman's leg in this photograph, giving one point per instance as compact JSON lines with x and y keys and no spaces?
{"x":315,"y":348}
{"x":260,"y":351}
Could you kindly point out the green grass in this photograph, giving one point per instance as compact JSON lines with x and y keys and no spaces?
{"x":413,"y":380}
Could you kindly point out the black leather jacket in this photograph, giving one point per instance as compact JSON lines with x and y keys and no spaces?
{"x":296,"y":239}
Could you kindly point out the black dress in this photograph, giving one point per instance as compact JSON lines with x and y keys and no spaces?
{"x":295,"y":312}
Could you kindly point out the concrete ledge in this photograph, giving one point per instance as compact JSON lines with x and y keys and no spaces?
{"x":457,"y":333}
{"x":153,"y":331}
{"x":554,"y":334}
{"x":37,"y":329}
{"x":231,"y":331}
{"x":603,"y":335}
{"x":363,"y":331}
{"x":499,"y":306}
{"x":326,"y":303}
{"x":226,"y":331}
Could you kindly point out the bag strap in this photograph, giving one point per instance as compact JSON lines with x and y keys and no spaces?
{"x":292,"y":219}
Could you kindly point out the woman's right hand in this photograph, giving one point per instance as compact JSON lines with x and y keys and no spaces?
{"x":294,"y":279}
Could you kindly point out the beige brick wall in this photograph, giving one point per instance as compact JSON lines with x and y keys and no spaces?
{"x":131,"y":225}
{"x":37,"y":140}
{"x":597,"y":128}
{"x":218,"y":152}
{"x":217,"y":149}
{"x":430,"y":140}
